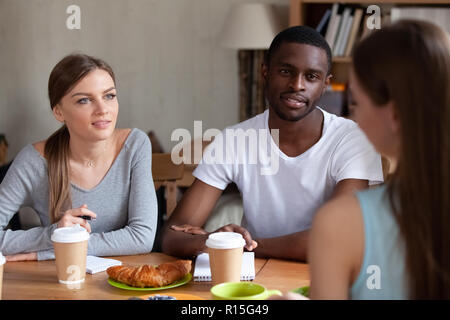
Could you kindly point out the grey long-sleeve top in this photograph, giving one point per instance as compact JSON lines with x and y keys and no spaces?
{"x":124,"y":202}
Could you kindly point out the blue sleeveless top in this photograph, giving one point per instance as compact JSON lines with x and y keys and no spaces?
{"x":382,"y":274}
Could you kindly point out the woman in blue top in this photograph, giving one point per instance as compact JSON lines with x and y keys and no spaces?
{"x":86,"y":168}
{"x":393,"y":242}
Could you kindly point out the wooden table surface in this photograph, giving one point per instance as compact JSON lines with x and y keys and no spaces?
{"x":37,"y":280}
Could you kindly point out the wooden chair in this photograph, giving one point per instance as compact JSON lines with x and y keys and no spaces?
{"x":166,"y":173}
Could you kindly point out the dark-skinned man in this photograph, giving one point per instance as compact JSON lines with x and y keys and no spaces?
{"x":318,"y":156}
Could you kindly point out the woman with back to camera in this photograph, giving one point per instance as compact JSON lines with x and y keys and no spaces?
{"x":392,"y":242}
{"x":86,"y":168}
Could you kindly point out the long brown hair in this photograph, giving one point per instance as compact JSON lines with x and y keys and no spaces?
{"x":64,"y":76}
{"x":409,"y":63}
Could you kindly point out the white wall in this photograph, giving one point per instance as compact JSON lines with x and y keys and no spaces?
{"x":169,"y":66}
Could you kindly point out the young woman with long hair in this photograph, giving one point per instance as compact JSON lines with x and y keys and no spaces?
{"x":87,"y":168}
{"x":392,"y":242}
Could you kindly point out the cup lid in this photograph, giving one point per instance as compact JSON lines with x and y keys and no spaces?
{"x":2,"y":259}
{"x":225,"y":240}
{"x":75,"y":233}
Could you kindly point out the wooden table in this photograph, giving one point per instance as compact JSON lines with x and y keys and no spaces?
{"x":37,"y":280}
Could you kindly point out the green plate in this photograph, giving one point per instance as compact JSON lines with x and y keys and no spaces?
{"x":178,"y":283}
{"x":304,"y":291}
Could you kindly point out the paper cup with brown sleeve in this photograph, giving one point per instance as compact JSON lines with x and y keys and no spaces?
{"x":2,"y":262}
{"x":70,"y":244}
{"x":225,"y":256}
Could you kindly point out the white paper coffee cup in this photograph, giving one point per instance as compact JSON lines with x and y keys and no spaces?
{"x":70,"y":244}
{"x":2,"y":262}
{"x":225,"y":256}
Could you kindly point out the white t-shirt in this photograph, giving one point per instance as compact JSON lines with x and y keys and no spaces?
{"x":281,"y":193}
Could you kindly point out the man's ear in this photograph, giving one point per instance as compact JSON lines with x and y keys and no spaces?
{"x":57,"y":113}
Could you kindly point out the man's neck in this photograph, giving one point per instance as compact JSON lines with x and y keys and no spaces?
{"x":295,"y":137}
{"x":304,"y":129}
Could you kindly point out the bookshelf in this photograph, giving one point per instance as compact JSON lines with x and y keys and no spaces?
{"x":297,"y":7}
{"x":309,"y":12}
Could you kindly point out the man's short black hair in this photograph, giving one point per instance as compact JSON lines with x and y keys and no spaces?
{"x":303,"y":35}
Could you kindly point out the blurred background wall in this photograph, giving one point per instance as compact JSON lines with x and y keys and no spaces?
{"x":169,"y":64}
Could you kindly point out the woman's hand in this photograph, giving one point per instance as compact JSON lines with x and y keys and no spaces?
{"x":73,"y":216}
{"x":32,"y":256}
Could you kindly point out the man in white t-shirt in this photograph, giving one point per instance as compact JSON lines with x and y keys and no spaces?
{"x":284,"y":176}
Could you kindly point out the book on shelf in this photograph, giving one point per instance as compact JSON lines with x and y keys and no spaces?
{"x":333,"y":25}
{"x":324,"y":21}
{"x":353,"y":31}
{"x":347,"y":23}
{"x":343,"y":27}
{"x":340,"y":33}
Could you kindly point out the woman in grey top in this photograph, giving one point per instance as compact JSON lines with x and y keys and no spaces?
{"x":86,"y":168}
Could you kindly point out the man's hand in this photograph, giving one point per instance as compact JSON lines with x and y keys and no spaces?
{"x":250,"y":243}
{"x":189,"y":229}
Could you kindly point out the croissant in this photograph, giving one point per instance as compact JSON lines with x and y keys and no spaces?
{"x":150,"y":276}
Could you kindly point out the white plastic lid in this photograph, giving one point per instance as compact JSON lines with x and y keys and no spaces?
{"x":70,"y":234}
{"x":2,"y":259}
{"x":225,"y":240}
